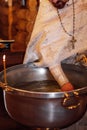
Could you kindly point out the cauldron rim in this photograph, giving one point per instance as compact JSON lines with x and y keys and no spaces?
{"x":33,"y":94}
{"x":46,"y":95}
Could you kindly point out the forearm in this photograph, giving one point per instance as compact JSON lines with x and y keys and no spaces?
{"x":60,"y":77}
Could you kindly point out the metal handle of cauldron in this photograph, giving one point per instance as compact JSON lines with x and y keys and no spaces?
{"x":5,"y":87}
{"x":71,"y":102}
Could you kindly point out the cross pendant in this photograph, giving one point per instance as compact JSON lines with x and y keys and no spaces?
{"x":73,"y":42}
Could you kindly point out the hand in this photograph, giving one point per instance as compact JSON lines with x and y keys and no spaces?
{"x":67,"y":87}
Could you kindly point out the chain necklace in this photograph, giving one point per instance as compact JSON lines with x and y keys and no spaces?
{"x":73,"y":40}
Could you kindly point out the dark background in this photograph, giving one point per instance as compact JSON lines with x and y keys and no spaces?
{"x":6,"y":123}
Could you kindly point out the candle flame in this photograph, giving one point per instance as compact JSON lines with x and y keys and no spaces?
{"x":10,"y":3}
{"x":4,"y":57}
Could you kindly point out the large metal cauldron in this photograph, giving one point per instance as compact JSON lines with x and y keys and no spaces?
{"x":44,"y":109}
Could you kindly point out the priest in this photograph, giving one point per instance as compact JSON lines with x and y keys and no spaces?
{"x":59,"y":33}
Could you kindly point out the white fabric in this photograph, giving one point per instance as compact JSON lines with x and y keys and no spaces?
{"x":49,"y":43}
